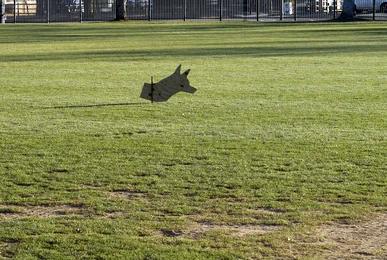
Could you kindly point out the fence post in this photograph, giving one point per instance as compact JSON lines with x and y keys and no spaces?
{"x":185,"y":10}
{"x":245,"y":9}
{"x":282,"y":10}
{"x":373,"y":9}
{"x":220,"y":10}
{"x":295,"y":10}
{"x":80,"y":11}
{"x":14,"y":11}
{"x":334,"y":9}
{"x":48,"y":11}
{"x":149,"y":10}
{"x":257,"y":9}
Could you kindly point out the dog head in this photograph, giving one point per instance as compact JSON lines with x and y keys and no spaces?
{"x":182,"y":80}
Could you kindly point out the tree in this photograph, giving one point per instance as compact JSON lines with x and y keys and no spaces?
{"x":348,"y":12}
{"x":2,"y":11}
{"x":245,"y":7}
{"x":40,"y":7}
{"x":90,"y":7}
{"x":120,"y":10}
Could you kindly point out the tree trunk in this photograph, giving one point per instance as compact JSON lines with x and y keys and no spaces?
{"x":40,"y":7}
{"x":245,"y":8}
{"x":90,"y":7}
{"x":348,"y":12}
{"x":120,"y":10}
{"x":2,"y":11}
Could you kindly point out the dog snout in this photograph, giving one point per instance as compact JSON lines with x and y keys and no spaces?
{"x":192,"y":90}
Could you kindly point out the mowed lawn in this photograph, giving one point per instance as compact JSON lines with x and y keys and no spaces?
{"x":286,"y":133}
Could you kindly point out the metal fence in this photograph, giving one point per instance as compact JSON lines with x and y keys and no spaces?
{"x":261,"y":10}
{"x":18,"y":11}
{"x":371,"y":9}
{"x":35,"y":11}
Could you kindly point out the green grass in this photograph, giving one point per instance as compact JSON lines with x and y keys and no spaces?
{"x":287,"y":129}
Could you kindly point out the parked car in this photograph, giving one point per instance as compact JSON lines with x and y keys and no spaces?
{"x":366,"y":6}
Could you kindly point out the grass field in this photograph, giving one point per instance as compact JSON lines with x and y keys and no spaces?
{"x":285,"y":135}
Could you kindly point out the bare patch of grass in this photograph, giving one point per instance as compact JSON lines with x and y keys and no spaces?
{"x":41,"y":211}
{"x":7,"y":248}
{"x":234,"y":230}
{"x":267,"y":211}
{"x":200,"y":228}
{"x":127,"y":194}
{"x":114,"y":215}
{"x":171,"y":233}
{"x":356,"y":241}
{"x":15,"y":212}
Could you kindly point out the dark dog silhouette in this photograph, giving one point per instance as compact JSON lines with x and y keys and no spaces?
{"x":166,"y":88}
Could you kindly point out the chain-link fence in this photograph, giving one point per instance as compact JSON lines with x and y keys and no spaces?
{"x":18,"y":11}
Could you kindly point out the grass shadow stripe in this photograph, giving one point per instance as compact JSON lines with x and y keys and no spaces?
{"x":97,"y":105}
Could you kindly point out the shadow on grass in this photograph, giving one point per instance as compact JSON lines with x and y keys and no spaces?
{"x":97,"y":105}
{"x":213,"y":51}
{"x":34,"y":33}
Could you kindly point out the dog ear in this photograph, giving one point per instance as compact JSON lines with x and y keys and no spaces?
{"x":177,"y":71}
{"x":187,"y":72}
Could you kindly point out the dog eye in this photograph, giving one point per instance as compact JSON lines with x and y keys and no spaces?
{"x":182,"y":86}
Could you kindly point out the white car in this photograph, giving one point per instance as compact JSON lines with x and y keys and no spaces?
{"x":366,"y":6}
